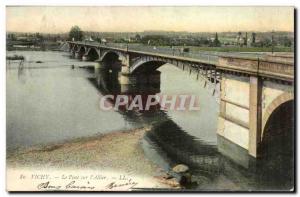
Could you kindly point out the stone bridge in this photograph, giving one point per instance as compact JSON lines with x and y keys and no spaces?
{"x":256,"y":92}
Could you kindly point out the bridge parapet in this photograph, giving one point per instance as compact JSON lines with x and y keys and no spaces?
{"x":281,"y":57}
{"x":273,"y":67}
{"x":236,"y":64}
{"x":281,"y":70}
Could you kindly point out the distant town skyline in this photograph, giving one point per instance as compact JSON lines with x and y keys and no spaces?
{"x":48,"y":19}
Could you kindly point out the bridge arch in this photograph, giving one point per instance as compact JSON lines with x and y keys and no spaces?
{"x":278,"y":128}
{"x":146,"y":66}
{"x":276,"y":148}
{"x":74,"y":47}
{"x":81,"y":49}
{"x":277,"y":102}
{"x":111,"y":59}
{"x":92,"y":54}
{"x":65,"y":46}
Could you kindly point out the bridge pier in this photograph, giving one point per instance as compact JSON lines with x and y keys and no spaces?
{"x":245,"y":99}
{"x":143,"y":78}
{"x":72,"y":53}
{"x":98,"y":67}
{"x":255,"y":114}
{"x":240,"y":118}
{"x":125,"y":77}
{"x":78,"y":55}
{"x":85,"y":58}
{"x":144,"y":83}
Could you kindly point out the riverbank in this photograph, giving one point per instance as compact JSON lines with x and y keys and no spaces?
{"x":114,"y":152}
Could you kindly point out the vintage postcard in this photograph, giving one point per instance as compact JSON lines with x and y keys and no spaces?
{"x":148,"y":98}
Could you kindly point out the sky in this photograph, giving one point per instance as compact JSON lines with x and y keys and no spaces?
{"x":47,"y":19}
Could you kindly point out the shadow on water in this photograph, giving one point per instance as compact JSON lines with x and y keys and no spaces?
{"x":167,"y":145}
{"x":21,"y":71}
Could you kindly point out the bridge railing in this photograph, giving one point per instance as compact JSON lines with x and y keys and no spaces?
{"x":282,"y":69}
{"x":205,"y":57}
{"x":211,"y":58}
{"x":266,"y":68}
{"x":248,"y":62}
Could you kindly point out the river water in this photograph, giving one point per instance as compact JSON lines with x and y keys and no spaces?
{"x":49,"y":102}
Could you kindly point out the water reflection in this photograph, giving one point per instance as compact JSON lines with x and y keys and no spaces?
{"x":168,"y":144}
{"x":21,"y":71}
